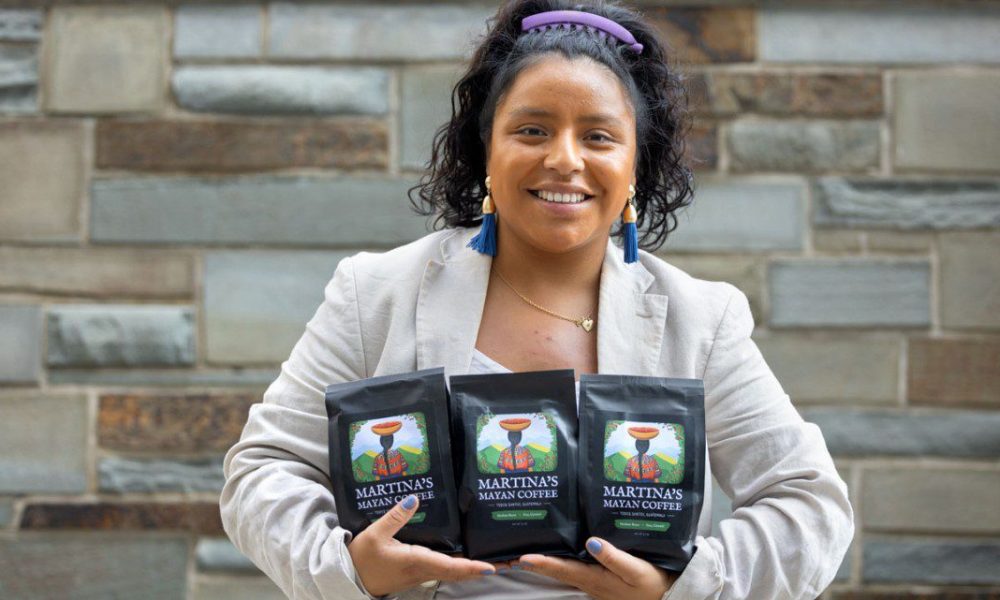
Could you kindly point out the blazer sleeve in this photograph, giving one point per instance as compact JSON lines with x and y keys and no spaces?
{"x":792,"y":521}
{"x":277,"y":505}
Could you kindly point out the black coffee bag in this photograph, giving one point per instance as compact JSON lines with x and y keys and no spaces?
{"x":389,"y":438}
{"x":642,"y":472}
{"x":514,"y":435}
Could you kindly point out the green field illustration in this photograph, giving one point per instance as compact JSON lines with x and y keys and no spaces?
{"x":637,"y":452}
{"x":516,"y":443}
{"x":389,"y":447}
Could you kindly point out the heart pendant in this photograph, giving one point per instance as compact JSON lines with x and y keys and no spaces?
{"x":587,"y":324}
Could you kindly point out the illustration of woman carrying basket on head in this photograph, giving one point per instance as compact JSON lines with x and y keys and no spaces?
{"x":642,"y":467}
{"x":390,"y":463}
{"x":515,"y":459}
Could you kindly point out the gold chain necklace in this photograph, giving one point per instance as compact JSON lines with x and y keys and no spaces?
{"x":587,"y":323}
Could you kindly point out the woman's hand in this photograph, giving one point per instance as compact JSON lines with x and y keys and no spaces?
{"x":620,"y":575}
{"x":386,"y":565}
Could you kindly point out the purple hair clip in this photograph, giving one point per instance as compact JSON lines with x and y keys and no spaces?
{"x":575,"y":19}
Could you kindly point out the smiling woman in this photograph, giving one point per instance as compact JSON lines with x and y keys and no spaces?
{"x":567,"y":132}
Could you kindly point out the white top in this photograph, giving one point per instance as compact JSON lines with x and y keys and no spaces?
{"x":511,"y":583}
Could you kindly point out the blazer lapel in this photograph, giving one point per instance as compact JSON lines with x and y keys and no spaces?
{"x":630,"y":321}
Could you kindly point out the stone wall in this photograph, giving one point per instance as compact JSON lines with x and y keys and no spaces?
{"x":178,"y":182}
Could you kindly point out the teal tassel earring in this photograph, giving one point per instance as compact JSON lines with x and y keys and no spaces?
{"x":486,"y":240}
{"x":631,"y":234}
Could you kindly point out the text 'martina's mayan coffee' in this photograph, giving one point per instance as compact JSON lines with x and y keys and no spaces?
{"x":514,"y":435}
{"x":388,"y":439}
{"x":642,"y":464}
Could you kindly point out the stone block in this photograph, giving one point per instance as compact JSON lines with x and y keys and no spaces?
{"x":954,"y":372}
{"x":970,"y":280}
{"x":900,"y":241}
{"x":287,"y":211}
{"x":20,"y":24}
{"x":809,"y":147}
{"x":947,"y":121}
{"x":425,"y":106}
{"x":172,"y":423}
{"x":131,"y":378}
{"x":957,"y":434}
{"x":702,"y":145}
{"x":196,"y":517}
{"x":118,"y":475}
{"x":936,"y":561}
{"x":217,"y":31}
{"x":219,"y":554}
{"x":43,"y":444}
{"x":837,"y":240}
{"x":285,"y":90}
{"x":701,"y":35}
{"x":97,"y":272}
{"x":906,"y":205}
{"x":245,"y":588}
{"x":931,"y":500}
{"x":832,"y":94}
{"x":18,"y":78}
{"x":745,"y":272}
{"x":276,"y":292}
{"x":240,"y":145}
{"x":741,"y":215}
{"x":879,"y":34}
{"x":106,"y":59}
{"x":850,"y":293}
{"x":42,"y":178}
{"x":20,"y":344}
{"x":812,"y":368}
{"x":99,"y":565}
{"x":6,"y":512}
{"x":407,"y":33}
{"x":109,"y":335}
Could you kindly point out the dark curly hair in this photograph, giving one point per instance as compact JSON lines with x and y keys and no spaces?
{"x":453,"y":185}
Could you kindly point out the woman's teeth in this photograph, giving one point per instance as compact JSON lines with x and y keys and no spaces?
{"x":562,"y":198}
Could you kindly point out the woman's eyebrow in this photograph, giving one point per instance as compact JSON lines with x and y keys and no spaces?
{"x":529,"y":111}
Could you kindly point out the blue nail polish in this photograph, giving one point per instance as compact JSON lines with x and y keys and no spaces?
{"x":594,"y":546}
{"x":486,"y":572}
{"x":409,"y":502}
{"x":517,"y":567}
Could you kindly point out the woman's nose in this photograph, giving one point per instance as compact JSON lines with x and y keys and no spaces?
{"x":564,"y":155}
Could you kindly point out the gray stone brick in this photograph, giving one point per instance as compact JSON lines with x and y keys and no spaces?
{"x":948,"y":121}
{"x":287,"y":211}
{"x":106,"y":59}
{"x":940,"y":561}
{"x":931,"y":500}
{"x":108,"y":335}
{"x":244,"y":588}
{"x":246,"y":89}
{"x":809,"y":147}
{"x":119,"y":475}
{"x":217,"y":31}
{"x":276,"y":292}
{"x":42,"y":178}
{"x":219,"y":554}
{"x":6,"y":511}
{"x":850,"y":293}
{"x":902,"y":204}
{"x":20,"y":25}
{"x":82,"y":565}
{"x":20,"y":344}
{"x":97,"y":272}
{"x":425,"y":106}
{"x":960,"y":434}
{"x":740,"y":215}
{"x":43,"y":444}
{"x":887,"y":34}
{"x":375,"y":32}
{"x":970,"y":294}
{"x":745,"y":272}
{"x":811,"y":368}
{"x":255,"y":378}
{"x":18,"y":79}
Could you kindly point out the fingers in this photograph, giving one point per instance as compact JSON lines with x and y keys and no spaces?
{"x":427,"y":564}
{"x":572,"y":572}
{"x":389,"y":524}
{"x":629,"y":568}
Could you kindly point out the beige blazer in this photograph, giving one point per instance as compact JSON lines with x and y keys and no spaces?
{"x":419,"y":306}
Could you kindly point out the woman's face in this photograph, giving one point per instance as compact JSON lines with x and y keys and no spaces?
{"x":564,"y":126}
